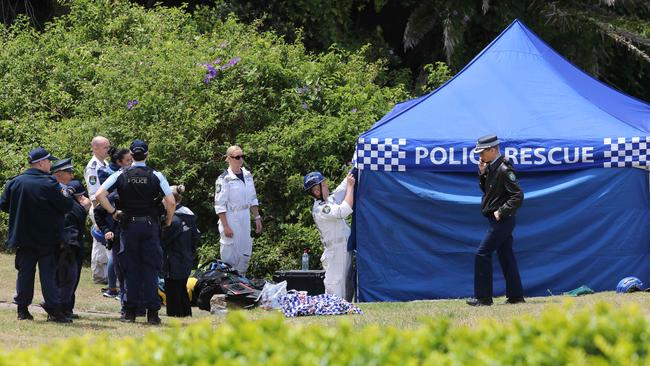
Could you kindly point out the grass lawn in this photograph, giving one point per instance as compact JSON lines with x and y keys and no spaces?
{"x":101,"y":315}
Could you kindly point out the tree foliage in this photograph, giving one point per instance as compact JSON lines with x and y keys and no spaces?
{"x":201,"y":84}
{"x":609,"y":39}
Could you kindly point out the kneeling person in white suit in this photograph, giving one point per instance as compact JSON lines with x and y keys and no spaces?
{"x":330,"y":211}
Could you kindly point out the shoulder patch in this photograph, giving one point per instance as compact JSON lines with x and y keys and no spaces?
{"x":224,"y":174}
{"x":92,"y":180}
{"x":327,"y":209}
{"x":218,"y":188}
{"x":512,"y":176}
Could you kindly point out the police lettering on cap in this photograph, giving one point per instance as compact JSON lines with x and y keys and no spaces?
{"x":62,"y":165}
{"x":139,"y":147}
{"x":39,"y":154}
{"x":486,"y":142}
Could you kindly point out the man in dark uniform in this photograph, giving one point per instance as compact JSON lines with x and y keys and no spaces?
{"x":502,"y":196}
{"x":36,"y":205}
{"x":139,"y":187}
{"x":70,"y":258}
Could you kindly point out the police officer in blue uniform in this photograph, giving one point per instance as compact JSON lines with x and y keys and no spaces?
{"x":502,"y":196}
{"x":70,"y":257}
{"x":140,"y":188}
{"x":36,"y":205}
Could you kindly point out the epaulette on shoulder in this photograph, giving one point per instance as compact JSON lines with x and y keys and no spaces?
{"x":224,"y":174}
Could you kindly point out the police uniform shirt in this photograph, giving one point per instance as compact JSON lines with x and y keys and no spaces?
{"x":330,"y":215}
{"x":233,"y":194}
{"x":164,"y":185}
{"x":91,"y":175}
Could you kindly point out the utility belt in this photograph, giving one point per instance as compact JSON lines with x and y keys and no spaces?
{"x":128,"y":219}
{"x":232,"y":208}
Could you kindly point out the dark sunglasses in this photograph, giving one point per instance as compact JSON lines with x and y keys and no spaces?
{"x":239,"y":157}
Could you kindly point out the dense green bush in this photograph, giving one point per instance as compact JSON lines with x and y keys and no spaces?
{"x":201,"y":84}
{"x":560,"y":336}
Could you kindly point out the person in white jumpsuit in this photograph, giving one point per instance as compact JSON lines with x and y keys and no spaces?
{"x":235,"y":200}
{"x":99,"y":255}
{"x":329,"y":212}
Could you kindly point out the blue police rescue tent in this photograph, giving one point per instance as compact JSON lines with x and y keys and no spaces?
{"x":581,"y":152}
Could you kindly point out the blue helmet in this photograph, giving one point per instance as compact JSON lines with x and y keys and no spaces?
{"x":629,"y":284}
{"x":312,"y":179}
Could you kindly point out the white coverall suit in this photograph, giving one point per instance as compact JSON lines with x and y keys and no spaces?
{"x":99,"y":254}
{"x":334,"y":232}
{"x":235,"y":198}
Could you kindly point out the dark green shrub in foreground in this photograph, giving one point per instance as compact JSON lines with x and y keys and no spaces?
{"x":602,"y":335}
{"x":201,"y":84}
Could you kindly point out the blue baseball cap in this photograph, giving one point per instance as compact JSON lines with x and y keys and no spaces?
{"x":39,"y":154}
{"x":79,"y":189}
{"x":139,"y":146}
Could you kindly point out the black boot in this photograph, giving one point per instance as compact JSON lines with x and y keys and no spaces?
{"x":153,"y":318}
{"x":23,"y":313}
{"x":515,"y":300}
{"x":128,"y":316}
{"x":479,"y":301}
{"x":57,"y":316}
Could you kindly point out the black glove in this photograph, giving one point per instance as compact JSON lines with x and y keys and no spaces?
{"x":109,"y":244}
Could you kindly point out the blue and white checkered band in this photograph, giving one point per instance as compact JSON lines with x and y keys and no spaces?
{"x":384,"y":154}
{"x":627,"y":152}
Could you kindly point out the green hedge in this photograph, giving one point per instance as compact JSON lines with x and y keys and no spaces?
{"x":601,"y":335}
{"x":292,"y":111}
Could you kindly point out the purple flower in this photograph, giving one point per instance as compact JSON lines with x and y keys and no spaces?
{"x":302,"y":90}
{"x":212,"y":71}
{"x":354,"y":110}
{"x":305,"y":106}
{"x":455,"y":12}
{"x":465,"y":18}
{"x":223,"y":44}
{"x":234,"y":61}
{"x":217,"y":61}
{"x":207,"y":78}
{"x":131,"y":104}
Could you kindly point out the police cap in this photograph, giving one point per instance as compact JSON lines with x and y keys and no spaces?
{"x":79,"y":189}
{"x":139,"y":147}
{"x":486,"y":142}
{"x":39,"y":154}
{"x":62,"y":165}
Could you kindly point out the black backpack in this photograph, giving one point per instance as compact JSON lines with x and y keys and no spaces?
{"x":217,"y":277}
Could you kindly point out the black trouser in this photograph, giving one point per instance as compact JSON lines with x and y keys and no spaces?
{"x":141,"y":260}
{"x":67,"y":289}
{"x":178,"y":301}
{"x":498,"y":238}
{"x":26,"y":261}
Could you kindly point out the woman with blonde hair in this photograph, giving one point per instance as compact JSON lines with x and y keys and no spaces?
{"x":235,"y":200}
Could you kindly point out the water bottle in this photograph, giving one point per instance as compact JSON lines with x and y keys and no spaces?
{"x":305,"y":261}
